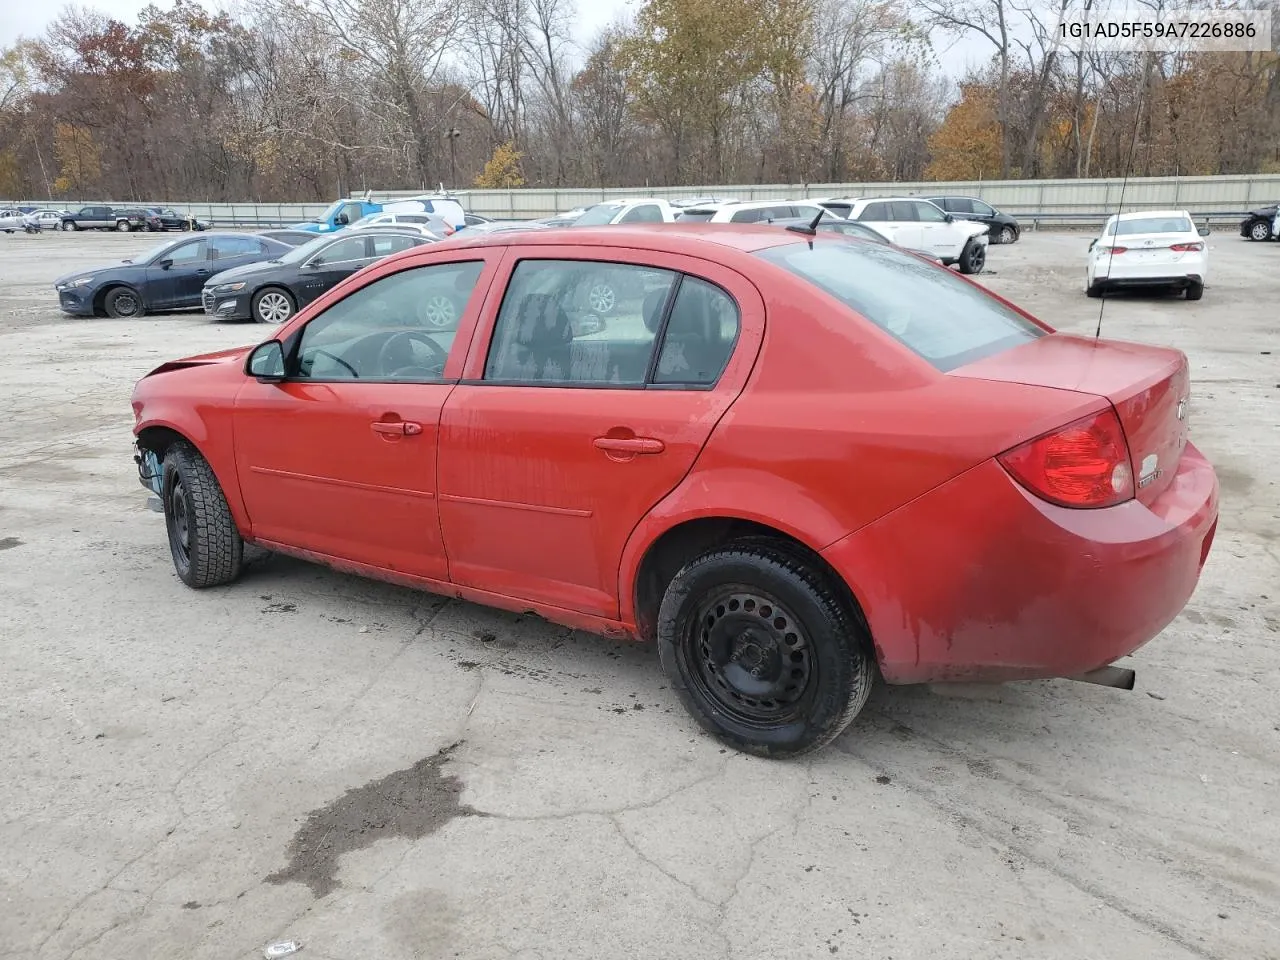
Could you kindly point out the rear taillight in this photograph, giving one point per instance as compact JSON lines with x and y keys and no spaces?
{"x":1112,"y":250}
{"x":1186,"y":247}
{"x":1084,"y":464}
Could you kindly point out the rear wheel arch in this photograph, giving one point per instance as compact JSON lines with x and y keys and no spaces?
{"x":684,"y":542}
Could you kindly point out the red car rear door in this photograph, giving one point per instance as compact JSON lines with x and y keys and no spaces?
{"x":577,"y":413}
{"x":339,"y":459}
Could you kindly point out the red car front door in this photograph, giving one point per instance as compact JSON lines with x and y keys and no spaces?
{"x":560,"y":438}
{"x":339,"y":459}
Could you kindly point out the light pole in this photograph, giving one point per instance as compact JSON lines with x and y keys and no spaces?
{"x":453,"y":133}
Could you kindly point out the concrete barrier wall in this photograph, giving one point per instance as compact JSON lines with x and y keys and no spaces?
{"x":1043,"y":199}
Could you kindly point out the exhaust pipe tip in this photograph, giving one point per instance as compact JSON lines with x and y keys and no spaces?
{"x":1122,"y":678}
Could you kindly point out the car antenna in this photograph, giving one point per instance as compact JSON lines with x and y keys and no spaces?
{"x":1111,"y":250}
{"x":810,"y":229}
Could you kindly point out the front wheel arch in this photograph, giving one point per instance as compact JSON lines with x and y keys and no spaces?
{"x":100,"y":298}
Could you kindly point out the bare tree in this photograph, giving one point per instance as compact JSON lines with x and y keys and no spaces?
{"x":403,"y":42}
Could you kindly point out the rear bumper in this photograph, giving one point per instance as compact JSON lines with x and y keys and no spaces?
{"x":980,"y":580}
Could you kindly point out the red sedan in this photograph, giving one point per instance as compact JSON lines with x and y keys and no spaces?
{"x":792,"y":461}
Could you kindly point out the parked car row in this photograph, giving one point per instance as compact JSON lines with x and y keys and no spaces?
{"x":956,"y":236}
{"x":101,"y":217}
{"x":233,"y":276}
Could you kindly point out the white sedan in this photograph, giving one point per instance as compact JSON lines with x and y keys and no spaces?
{"x":1150,"y":248}
{"x":45,"y":219}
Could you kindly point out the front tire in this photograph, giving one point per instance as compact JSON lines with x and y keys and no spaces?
{"x":123,"y":226}
{"x":973,"y":258}
{"x":1259,"y":230}
{"x":205,"y":545}
{"x":762,"y":650}
{"x":69,"y":226}
{"x":123,"y":303}
{"x":273,"y":305}
{"x":1008,"y":235}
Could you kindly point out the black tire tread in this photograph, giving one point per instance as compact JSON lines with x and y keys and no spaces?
{"x":1195,"y":291}
{"x":789,"y":563}
{"x":217,"y":550}
{"x":111,"y":292}
{"x":966,"y":259}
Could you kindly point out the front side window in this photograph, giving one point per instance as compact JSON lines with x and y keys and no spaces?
{"x":344,"y":251}
{"x":400,"y":327}
{"x":353,"y":211}
{"x":935,"y":314}
{"x":928,"y":213}
{"x":578,"y":322}
{"x":187,"y":252}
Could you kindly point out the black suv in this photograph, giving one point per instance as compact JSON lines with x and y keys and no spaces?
{"x":1257,"y":225}
{"x":1004,"y":228}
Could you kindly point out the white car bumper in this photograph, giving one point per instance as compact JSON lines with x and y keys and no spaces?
{"x":1148,"y":268}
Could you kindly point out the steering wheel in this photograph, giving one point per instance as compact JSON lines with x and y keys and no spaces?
{"x":409,"y":337}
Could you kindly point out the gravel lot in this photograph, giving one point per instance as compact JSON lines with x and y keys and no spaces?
{"x":384,"y":774}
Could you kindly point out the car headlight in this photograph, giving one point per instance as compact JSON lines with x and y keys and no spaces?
{"x":227,"y":288}
{"x":77,"y":282}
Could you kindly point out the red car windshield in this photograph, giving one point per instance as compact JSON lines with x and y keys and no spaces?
{"x":928,"y":309}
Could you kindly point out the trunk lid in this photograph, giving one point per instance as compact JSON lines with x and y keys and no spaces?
{"x":1148,"y":386}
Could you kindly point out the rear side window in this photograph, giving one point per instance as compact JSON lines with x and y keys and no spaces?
{"x":959,"y":205}
{"x":701,"y":331}
{"x":698,"y":216}
{"x":747,"y":216}
{"x":839,"y":209}
{"x":902,"y":210}
{"x":875,"y":212}
{"x":931,"y":311}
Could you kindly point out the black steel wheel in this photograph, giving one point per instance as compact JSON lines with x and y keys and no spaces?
{"x":753,"y":657}
{"x":205,"y":545}
{"x":122,"y":303}
{"x":763,"y":650}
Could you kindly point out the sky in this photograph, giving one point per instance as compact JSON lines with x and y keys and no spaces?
{"x":26,"y":18}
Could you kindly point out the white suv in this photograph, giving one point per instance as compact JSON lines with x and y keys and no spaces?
{"x":755,"y":211}
{"x":920,"y":225}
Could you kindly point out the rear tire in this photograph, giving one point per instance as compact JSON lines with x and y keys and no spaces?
{"x":205,"y":545}
{"x":69,"y":226}
{"x":973,"y":258}
{"x":1008,"y":235}
{"x":1195,"y":291}
{"x":762,"y":650}
{"x":123,"y":226}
